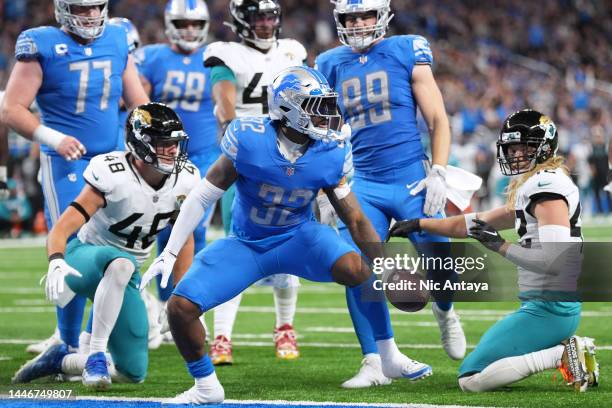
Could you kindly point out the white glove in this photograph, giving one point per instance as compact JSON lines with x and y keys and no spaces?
{"x":327,"y":214}
{"x":162,"y":265}
{"x":435,"y":183}
{"x":58,"y":270}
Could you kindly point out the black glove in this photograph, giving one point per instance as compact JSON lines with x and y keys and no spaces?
{"x":487,"y":235}
{"x":403,"y":228}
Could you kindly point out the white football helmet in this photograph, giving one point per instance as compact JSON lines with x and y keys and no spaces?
{"x":84,"y":27}
{"x":363,"y":37}
{"x":185,"y":38}
{"x":130,"y":29}
{"x":300,"y":94}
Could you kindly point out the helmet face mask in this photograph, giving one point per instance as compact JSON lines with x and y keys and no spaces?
{"x":527,"y":139}
{"x":178,"y":15}
{"x":362,"y":37}
{"x":85,"y":27}
{"x":301,"y":99}
{"x":152,"y":131}
{"x":252,"y":16}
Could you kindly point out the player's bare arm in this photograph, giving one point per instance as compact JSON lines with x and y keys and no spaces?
{"x":89,"y":200}
{"x":222,"y":173}
{"x":224,"y":95}
{"x":133,"y":92}
{"x":431,"y":104}
{"x":362,"y":231}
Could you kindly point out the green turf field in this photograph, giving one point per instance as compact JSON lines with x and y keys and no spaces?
{"x":330,"y":353}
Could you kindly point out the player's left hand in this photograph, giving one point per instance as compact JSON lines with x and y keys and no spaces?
{"x":162,"y":265}
{"x":58,"y":270}
{"x":435,"y":184}
{"x":487,"y":235}
{"x":403,"y":228}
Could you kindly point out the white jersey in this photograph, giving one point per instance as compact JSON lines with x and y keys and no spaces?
{"x":553,"y":184}
{"x":134,"y":211}
{"x":254,"y":70}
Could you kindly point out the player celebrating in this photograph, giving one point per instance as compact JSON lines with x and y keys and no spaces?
{"x":173,"y":74}
{"x":381,"y":82}
{"x":240,"y":74}
{"x":544,"y":207}
{"x":129,"y":197}
{"x":77,"y":73}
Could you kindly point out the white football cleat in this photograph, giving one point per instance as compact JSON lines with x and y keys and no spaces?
{"x":404,"y":367}
{"x":37,"y":348}
{"x":451,"y":332}
{"x":369,"y":374}
{"x":193,"y":396}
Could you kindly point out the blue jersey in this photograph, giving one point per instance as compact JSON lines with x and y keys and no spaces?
{"x":273,"y":195}
{"x":181,"y":82}
{"x":81,"y":84}
{"x":376,"y":98}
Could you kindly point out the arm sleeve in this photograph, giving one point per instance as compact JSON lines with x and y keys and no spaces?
{"x":222,"y":73}
{"x":555,"y":248}
{"x":197,"y":202}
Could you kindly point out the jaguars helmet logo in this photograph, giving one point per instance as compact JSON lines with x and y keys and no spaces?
{"x":140,"y":119}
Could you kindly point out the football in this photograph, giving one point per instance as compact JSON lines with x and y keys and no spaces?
{"x":405,"y":290}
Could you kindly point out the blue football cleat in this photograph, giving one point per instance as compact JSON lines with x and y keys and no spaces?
{"x":95,"y":374}
{"x":46,"y":363}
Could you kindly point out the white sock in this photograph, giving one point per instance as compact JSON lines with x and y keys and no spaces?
{"x":205,"y":384}
{"x":512,"y":369}
{"x":107,"y":302}
{"x":225,"y":316}
{"x":388,"y":349}
{"x":285,"y":301}
{"x":74,"y":363}
{"x":84,"y":340}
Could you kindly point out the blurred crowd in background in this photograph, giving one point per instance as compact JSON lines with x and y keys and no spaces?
{"x":491,"y":58}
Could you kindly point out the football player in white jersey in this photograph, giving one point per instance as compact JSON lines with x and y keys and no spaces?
{"x":240,"y":75}
{"x":129,"y":197}
{"x":544,"y":208}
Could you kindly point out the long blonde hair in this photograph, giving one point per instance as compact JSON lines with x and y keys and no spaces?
{"x":553,"y":163}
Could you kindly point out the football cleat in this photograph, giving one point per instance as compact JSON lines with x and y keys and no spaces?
{"x":41,"y":346}
{"x":286,"y":342}
{"x":95,"y":374}
{"x":451,"y":332}
{"x":221,"y":351}
{"x":194,"y":396}
{"x":369,"y":374}
{"x":579,"y":367}
{"x":47,"y":363}
{"x":404,"y":367}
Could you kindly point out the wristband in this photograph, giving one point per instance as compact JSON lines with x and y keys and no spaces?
{"x":57,"y":255}
{"x":48,"y":136}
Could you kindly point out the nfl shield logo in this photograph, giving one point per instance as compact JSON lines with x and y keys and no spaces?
{"x":290,"y":171}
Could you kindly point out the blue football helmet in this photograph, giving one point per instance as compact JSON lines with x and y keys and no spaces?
{"x":361,"y":38}
{"x":301,"y":99}
{"x":131,"y":30}
{"x":192,"y":10}
{"x":87,"y":28}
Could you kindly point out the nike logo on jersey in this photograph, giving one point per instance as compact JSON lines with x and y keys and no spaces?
{"x":412,"y":184}
{"x":540,"y":184}
{"x":95,"y":177}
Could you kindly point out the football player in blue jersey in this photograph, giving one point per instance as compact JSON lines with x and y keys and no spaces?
{"x":77,"y":74}
{"x":173,"y":74}
{"x":381,"y":82}
{"x":278,"y":163}
{"x":133,"y":44}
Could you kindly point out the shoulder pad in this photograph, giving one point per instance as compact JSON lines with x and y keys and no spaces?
{"x":226,"y":53}
{"x":293,"y":46}
{"x":422,"y":50}
{"x":549,"y":181}
{"x":27,"y":47}
{"x":106,"y":171}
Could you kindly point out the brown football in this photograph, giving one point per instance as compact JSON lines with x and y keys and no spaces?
{"x":404,"y":290}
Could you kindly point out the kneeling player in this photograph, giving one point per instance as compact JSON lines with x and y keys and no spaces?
{"x":279,"y":164}
{"x":544,"y":206}
{"x":129,"y":198}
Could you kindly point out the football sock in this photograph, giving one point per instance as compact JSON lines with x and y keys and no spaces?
{"x":388,"y":349}
{"x":285,"y":301}
{"x":107,"y":302}
{"x":511,"y":369}
{"x":362,"y":327}
{"x":162,"y":240}
{"x":74,"y":364}
{"x":84,"y":340}
{"x":201,"y":368}
{"x":373,"y":305}
{"x":70,"y":319}
{"x":225,"y":316}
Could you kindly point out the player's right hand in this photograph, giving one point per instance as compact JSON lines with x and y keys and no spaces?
{"x":70,"y":148}
{"x":162,"y":265}
{"x":403,"y":228}
{"x":58,"y":270}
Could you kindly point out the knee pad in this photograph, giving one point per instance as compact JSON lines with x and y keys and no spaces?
{"x":120,"y":271}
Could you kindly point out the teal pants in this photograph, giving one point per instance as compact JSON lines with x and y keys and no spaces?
{"x":537,"y":325}
{"x":128,"y":342}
